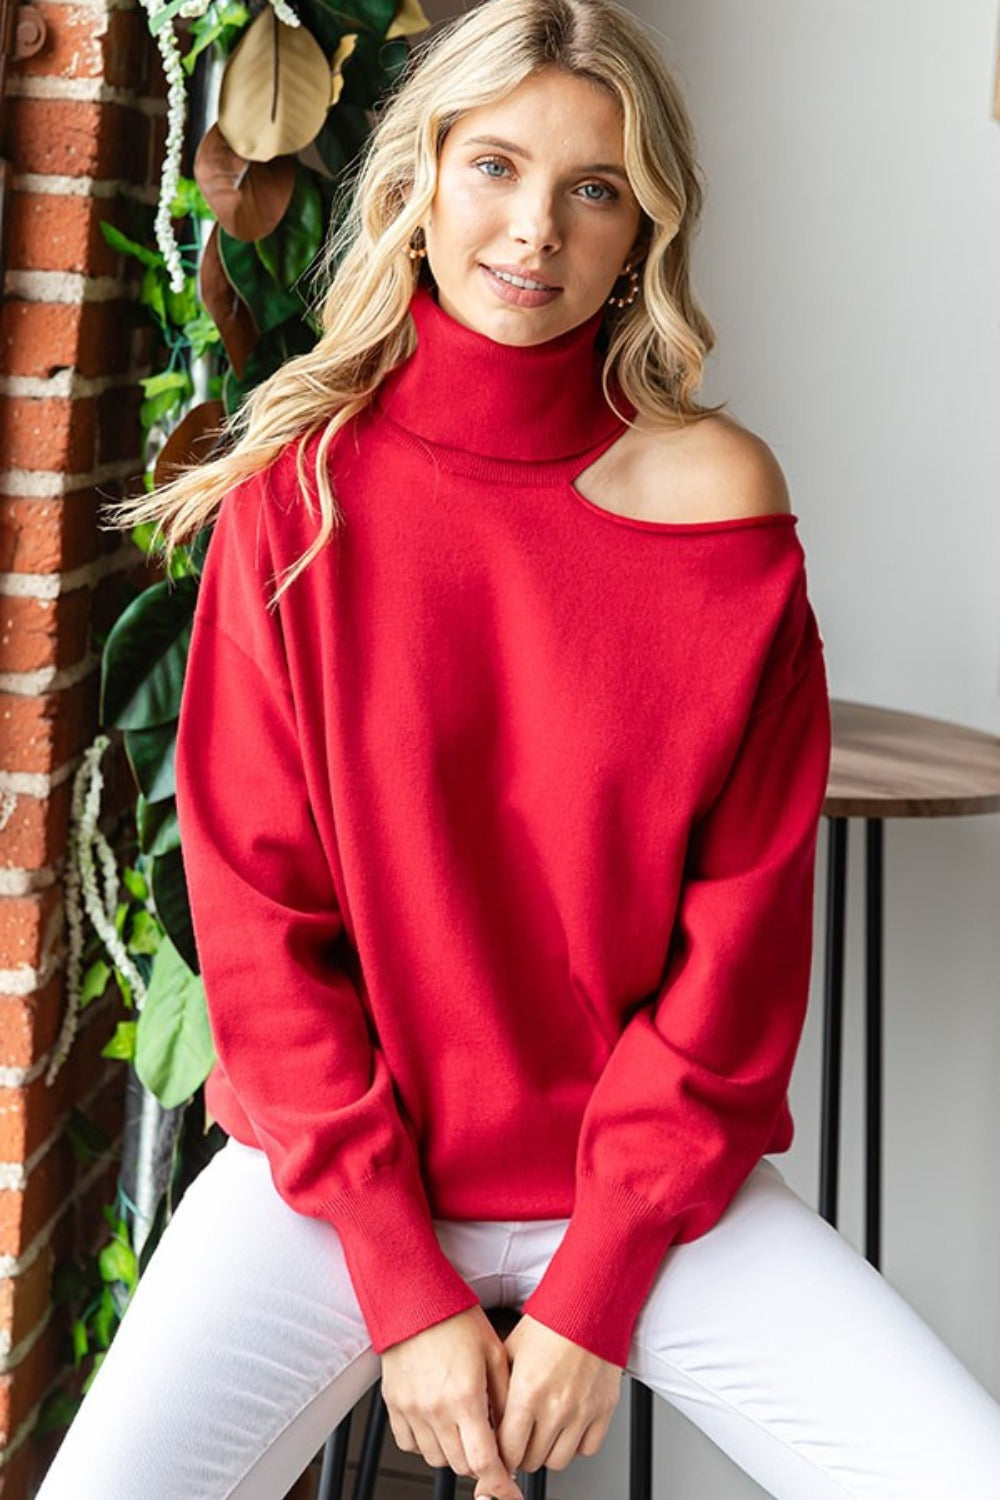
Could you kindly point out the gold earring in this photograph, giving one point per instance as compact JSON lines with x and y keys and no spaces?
{"x":417,"y":251}
{"x":633,"y":276}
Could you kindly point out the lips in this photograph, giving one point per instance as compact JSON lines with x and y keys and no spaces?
{"x":525,"y":275}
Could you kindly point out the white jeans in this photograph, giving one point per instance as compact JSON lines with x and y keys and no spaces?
{"x":243,"y":1347}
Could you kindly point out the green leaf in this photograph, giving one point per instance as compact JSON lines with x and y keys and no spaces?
{"x":114,"y":1221}
{"x":81,"y":1342}
{"x":119,"y":241}
{"x":189,"y":199}
{"x":167,"y":380}
{"x":182,"y":306}
{"x":270,"y":303}
{"x":143,"y":537}
{"x":122,"y":1044}
{"x":222,"y":23}
{"x":56,"y":1412}
{"x":288,"y":251}
{"x":156,"y":825}
{"x":118,"y":1263}
{"x":105,"y":1319}
{"x":201,"y":333}
{"x":146,"y":935}
{"x":125,"y":990}
{"x":174,"y":1049}
{"x":173,"y":908}
{"x":152,"y":293}
{"x":158,"y":19}
{"x":142,"y":667}
{"x":94,"y":982}
{"x":135,"y":883}
{"x":157,"y":408}
{"x":151,"y":755}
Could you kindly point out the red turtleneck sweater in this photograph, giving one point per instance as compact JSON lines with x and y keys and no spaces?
{"x":500,"y":838}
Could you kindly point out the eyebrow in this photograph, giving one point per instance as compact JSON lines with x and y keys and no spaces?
{"x":608,"y":167}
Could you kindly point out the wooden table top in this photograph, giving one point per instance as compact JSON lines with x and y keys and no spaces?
{"x":888,"y":764}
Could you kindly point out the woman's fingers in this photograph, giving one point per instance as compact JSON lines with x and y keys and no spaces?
{"x":439,"y":1387}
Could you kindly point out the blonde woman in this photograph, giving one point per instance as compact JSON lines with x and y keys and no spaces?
{"x":501,"y":759}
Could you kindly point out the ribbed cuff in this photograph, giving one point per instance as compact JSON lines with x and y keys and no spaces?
{"x":402,"y":1278}
{"x":594,"y":1286}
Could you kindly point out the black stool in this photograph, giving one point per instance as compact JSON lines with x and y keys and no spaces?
{"x":503,"y":1319}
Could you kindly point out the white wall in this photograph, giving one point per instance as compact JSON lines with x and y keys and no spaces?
{"x":849,"y":258}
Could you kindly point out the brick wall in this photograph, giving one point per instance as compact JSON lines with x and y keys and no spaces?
{"x":84,"y":130}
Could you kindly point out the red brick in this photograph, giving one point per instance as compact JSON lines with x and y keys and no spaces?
{"x":84,"y":42}
{"x":39,"y":734}
{"x":24,"y":1299}
{"x":29,"y":1024}
{"x":38,"y":338}
{"x":78,"y":138}
{"x":22,"y":1388}
{"x":49,"y":432}
{"x":20,"y":1473}
{"x":24,"y":921}
{"x":60,"y":232}
{"x":36,"y":633}
{"x":24,"y":1212}
{"x":53,"y":535}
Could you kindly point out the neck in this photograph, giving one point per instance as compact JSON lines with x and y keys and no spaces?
{"x":528,"y":402}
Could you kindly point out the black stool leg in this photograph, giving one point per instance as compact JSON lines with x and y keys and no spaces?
{"x":873,"y":1047}
{"x":331,"y":1478}
{"x":640,"y":1481}
{"x":445,"y":1484}
{"x":371,"y":1447}
{"x":833,"y":1018}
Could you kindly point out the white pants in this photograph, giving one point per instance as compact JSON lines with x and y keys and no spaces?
{"x":243,"y":1347}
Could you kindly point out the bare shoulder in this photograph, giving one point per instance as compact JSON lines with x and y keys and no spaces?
{"x":710,"y":469}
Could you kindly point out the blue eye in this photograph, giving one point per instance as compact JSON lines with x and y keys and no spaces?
{"x":609,"y":193}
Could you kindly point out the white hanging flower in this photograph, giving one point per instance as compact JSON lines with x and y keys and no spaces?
{"x":170,"y":54}
{"x":284,"y":12}
{"x":85,"y":838}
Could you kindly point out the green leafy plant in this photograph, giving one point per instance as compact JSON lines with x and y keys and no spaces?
{"x":223,"y":264}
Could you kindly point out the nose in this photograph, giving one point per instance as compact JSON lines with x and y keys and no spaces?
{"x":534,"y":222}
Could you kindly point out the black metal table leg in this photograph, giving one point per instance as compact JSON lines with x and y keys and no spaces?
{"x":873,"y":1039}
{"x":833,"y":1018}
{"x":640,"y":1483}
{"x":331,"y":1478}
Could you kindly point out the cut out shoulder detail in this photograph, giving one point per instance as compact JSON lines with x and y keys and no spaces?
{"x":709,"y":471}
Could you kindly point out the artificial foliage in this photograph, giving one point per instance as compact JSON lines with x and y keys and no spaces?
{"x":244,"y":210}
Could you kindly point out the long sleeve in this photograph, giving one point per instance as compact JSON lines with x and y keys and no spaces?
{"x":291,"y":1034}
{"x":694,"y":1090}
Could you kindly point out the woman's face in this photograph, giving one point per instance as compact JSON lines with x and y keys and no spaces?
{"x":534,"y":185}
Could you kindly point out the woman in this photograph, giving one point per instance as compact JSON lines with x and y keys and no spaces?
{"x":501,"y":760}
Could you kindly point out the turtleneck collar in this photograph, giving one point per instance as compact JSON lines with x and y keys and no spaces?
{"x":462,"y":389}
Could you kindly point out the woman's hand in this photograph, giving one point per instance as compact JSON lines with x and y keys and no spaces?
{"x":560,"y":1401}
{"x":440,"y":1387}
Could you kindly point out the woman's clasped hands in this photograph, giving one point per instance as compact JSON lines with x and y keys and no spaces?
{"x":461,"y":1396}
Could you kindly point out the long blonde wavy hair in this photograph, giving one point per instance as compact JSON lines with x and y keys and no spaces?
{"x":654,"y":349}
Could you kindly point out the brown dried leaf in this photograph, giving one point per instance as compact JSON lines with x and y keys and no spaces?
{"x":191,"y":441}
{"x":230,"y":314}
{"x":249,"y":198}
{"x":275,"y":90}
